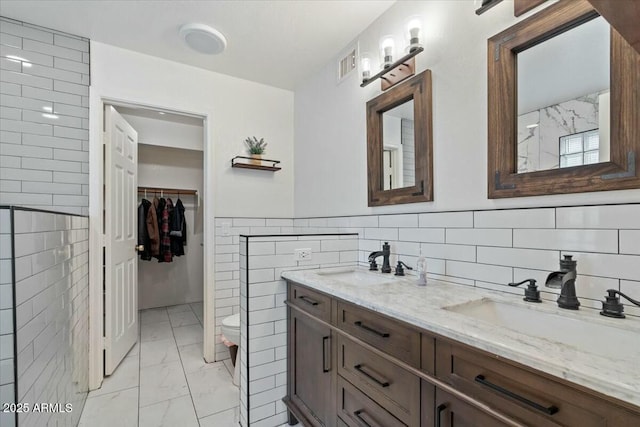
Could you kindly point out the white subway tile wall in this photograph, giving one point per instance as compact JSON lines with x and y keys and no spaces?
{"x":52,"y":313}
{"x":263,"y":314}
{"x":44,"y":118}
{"x":7,"y":367}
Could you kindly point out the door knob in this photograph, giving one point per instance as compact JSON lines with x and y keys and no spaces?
{"x":140,"y":248}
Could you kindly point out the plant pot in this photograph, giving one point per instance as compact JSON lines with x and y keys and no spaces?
{"x":255,"y":159}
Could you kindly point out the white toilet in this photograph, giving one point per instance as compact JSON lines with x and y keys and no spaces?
{"x":231,"y":331}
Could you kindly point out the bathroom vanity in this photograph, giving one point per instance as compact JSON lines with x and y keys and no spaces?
{"x":367,"y":349}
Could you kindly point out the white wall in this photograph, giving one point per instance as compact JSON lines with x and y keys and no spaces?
{"x":330,"y":122}
{"x":181,"y":281}
{"x":236,"y":109}
{"x":165,"y":133}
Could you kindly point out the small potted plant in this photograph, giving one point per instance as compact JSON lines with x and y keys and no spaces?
{"x":256,"y":148}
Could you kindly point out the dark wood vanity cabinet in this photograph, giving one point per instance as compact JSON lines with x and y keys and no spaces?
{"x":311,"y":358}
{"x":351,"y":366}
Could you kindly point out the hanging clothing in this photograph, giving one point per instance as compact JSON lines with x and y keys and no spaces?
{"x":165,"y":238}
{"x":152,"y":228}
{"x":178,"y":229}
{"x":143,"y":232}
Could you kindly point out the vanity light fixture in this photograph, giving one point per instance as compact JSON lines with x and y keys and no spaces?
{"x":395,"y":73}
{"x":391,"y":72}
{"x":204,"y":39}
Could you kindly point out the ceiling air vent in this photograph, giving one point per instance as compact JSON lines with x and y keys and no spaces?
{"x":347,"y":64}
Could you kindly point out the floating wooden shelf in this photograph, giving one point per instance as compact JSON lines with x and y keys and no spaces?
{"x":239,"y":164}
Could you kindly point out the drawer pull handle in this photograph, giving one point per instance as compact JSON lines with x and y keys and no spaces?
{"x":359,"y":414}
{"x":382,"y":383}
{"x":308,"y":300}
{"x":439,"y":411}
{"x":370,"y":329}
{"x":550,"y":410}
{"x":325,"y":340}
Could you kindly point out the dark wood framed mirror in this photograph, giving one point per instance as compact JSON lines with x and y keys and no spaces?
{"x":603,"y":153}
{"x":400,"y":144}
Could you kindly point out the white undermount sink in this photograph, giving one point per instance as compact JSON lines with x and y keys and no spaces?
{"x":584,"y":335}
{"x":357,"y":277}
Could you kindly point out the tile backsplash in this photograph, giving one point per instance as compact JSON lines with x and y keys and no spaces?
{"x":44,"y":117}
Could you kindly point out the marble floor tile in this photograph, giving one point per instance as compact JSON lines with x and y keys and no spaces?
{"x":229,"y":366}
{"x":212,"y":390}
{"x":162,"y":382}
{"x":178,"y":308}
{"x":156,"y":331}
{"x":158,"y":352}
{"x":192,"y":357}
{"x":183,"y":318}
{"x":124,"y":377}
{"x":170,"y":413}
{"x":153,"y":315}
{"x":197,"y":308}
{"x":228,"y":417}
{"x":135,"y":350}
{"x":190,"y":334}
{"x":113,"y":409}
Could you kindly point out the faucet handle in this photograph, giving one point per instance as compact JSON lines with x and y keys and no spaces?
{"x":612,"y":307}
{"x":400,"y":270}
{"x":531,"y":294}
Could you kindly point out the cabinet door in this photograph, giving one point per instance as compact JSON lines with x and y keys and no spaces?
{"x":452,"y":412}
{"x":311,"y":381}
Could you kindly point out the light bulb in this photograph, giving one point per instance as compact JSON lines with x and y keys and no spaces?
{"x":387,"y":46}
{"x":365,"y":66}
{"x":414,"y":28}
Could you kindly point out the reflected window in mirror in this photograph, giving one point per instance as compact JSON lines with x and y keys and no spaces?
{"x":399,"y":144}
{"x":563,"y":105}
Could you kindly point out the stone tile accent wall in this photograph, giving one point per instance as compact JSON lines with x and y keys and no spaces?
{"x":7,"y":360}
{"x":52,"y":313}
{"x":263,"y":314}
{"x":44,"y":118}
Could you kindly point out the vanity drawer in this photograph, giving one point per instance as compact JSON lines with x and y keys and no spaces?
{"x":524,"y":394}
{"x":383,"y":381}
{"x":355,"y":409}
{"x":394,"y":338}
{"x":315,"y":303}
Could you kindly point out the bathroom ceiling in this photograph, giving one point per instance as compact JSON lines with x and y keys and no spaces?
{"x":278,"y":43}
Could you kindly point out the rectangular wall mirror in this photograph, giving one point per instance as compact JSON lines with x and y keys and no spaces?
{"x":564,"y":105}
{"x":399,"y":144}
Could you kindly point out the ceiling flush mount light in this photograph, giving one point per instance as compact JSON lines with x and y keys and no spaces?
{"x":203,"y":38}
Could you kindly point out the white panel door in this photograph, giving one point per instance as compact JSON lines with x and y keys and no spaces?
{"x":121,"y":263}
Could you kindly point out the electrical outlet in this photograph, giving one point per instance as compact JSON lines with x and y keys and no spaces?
{"x":226,"y":228}
{"x":302,"y":254}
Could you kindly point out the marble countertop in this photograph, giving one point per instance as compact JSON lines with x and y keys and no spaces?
{"x":425,"y":307}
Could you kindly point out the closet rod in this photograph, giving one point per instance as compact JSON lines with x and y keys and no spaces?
{"x":167,"y":190}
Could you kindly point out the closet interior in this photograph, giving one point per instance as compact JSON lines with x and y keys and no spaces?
{"x":170,"y":171}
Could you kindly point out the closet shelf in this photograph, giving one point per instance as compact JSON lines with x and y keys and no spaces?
{"x":240,"y":164}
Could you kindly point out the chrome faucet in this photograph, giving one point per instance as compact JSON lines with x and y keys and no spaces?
{"x":385,"y":253}
{"x":565,"y":280}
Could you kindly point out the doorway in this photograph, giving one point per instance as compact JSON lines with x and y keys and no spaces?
{"x":160,"y":129}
